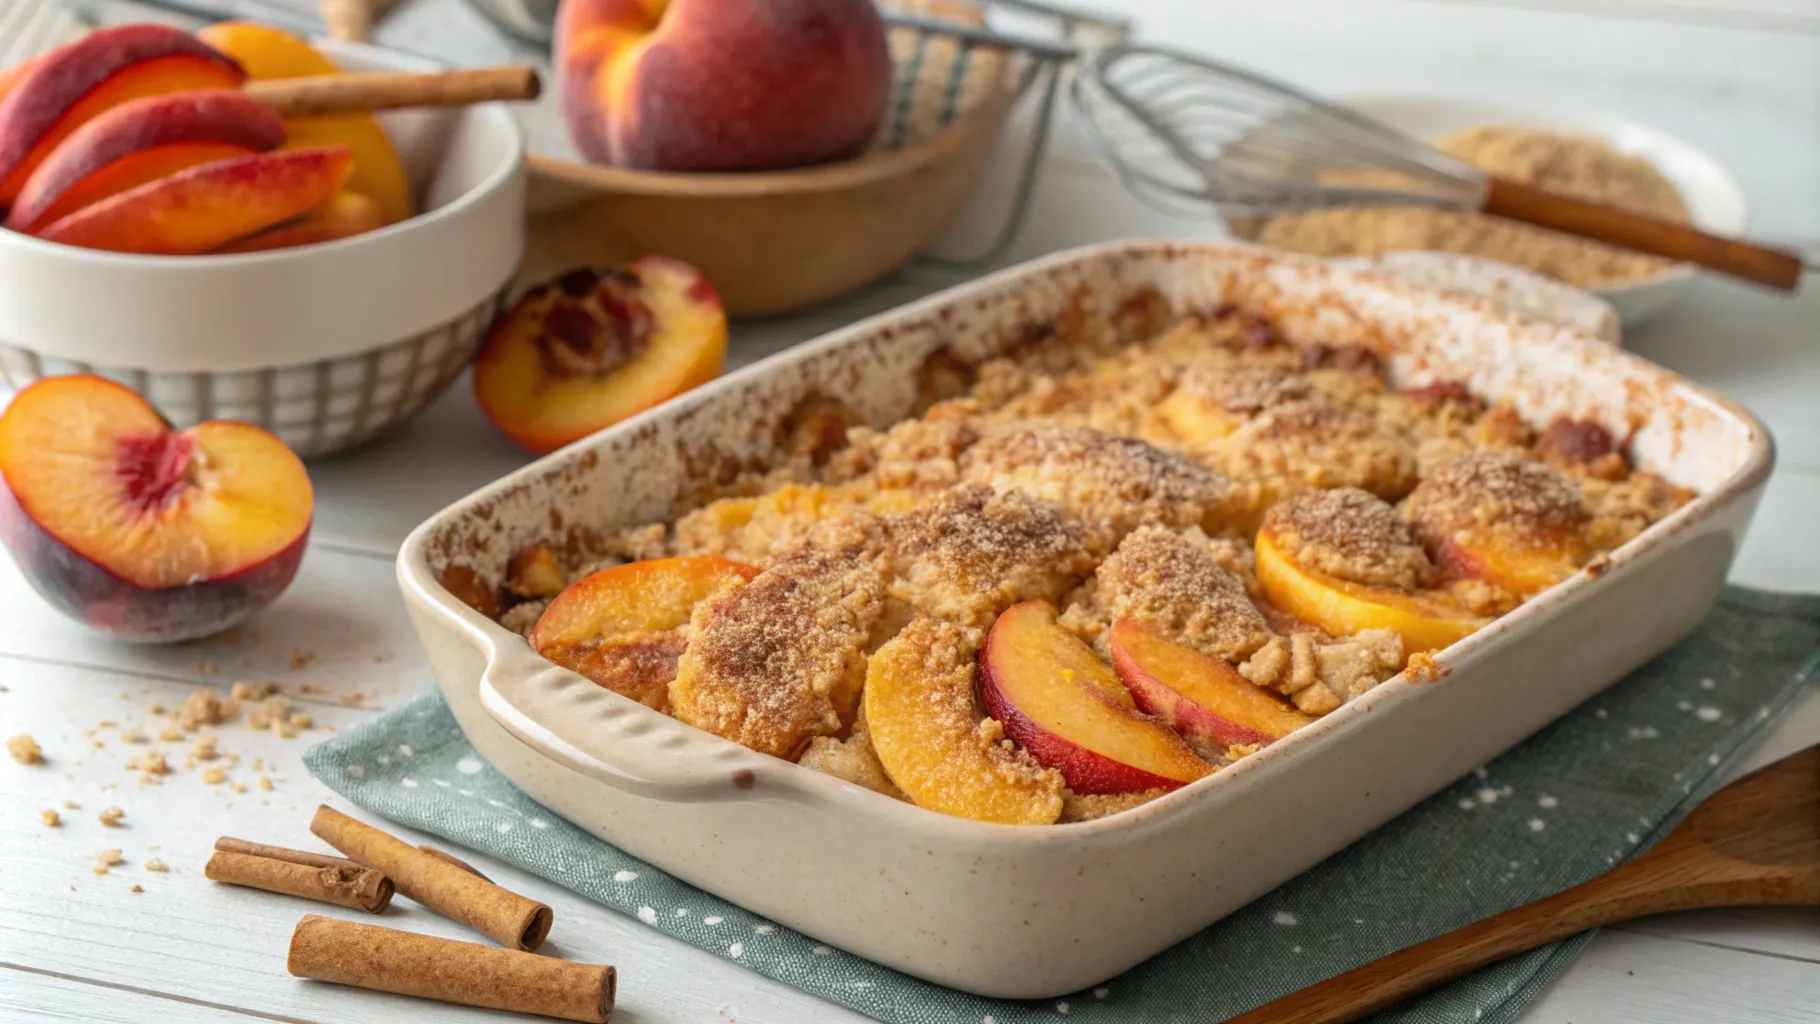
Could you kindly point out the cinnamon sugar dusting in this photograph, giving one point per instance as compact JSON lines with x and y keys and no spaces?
{"x":971,"y":552}
{"x":1498,"y":491}
{"x":1175,"y":583}
{"x":1351,"y":534}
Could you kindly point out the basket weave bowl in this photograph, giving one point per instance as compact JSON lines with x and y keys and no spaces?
{"x":772,"y":242}
{"x":326,"y":346}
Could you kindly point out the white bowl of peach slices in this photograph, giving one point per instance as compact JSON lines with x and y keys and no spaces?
{"x":320,"y":277}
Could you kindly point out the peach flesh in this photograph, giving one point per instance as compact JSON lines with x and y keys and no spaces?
{"x":144,"y":532}
{"x":1050,"y":691}
{"x":220,"y":116}
{"x":1342,"y":608}
{"x":65,"y":88}
{"x":1196,"y":694}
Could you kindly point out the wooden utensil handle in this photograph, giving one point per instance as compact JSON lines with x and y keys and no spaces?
{"x":1634,"y":890}
{"x":342,"y":94}
{"x":1777,"y":268}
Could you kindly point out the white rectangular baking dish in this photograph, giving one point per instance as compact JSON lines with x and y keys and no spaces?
{"x":1003,"y":910}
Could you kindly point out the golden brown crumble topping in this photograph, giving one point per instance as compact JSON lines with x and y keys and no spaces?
{"x":1174,"y":582}
{"x":1111,"y":484}
{"x":1303,"y":445}
{"x":778,"y":661}
{"x":1351,"y":534}
{"x":1497,"y":492}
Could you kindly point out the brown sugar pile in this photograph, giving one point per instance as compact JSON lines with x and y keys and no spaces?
{"x":1574,"y":165}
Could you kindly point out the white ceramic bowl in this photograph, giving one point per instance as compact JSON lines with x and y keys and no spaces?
{"x":325,"y":345}
{"x":1715,"y":202}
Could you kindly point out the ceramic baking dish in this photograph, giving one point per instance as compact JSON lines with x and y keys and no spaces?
{"x":1038,"y":911}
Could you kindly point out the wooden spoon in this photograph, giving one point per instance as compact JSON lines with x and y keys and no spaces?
{"x":349,"y":93}
{"x":1754,"y":843}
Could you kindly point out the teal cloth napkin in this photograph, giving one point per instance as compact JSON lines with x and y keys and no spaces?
{"x":1588,"y":792}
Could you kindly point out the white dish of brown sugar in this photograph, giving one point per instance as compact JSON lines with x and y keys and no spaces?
{"x":1597,"y":155}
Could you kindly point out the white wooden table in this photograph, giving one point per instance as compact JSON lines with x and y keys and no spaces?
{"x":1742,"y":78}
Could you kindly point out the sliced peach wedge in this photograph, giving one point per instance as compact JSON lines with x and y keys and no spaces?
{"x":928,"y":732}
{"x":140,"y":141}
{"x":592,"y":348}
{"x":343,"y":215}
{"x":623,"y":627}
{"x":1065,"y":706}
{"x":145,"y":532}
{"x":1342,"y":608}
{"x":1513,"y":522}
{"x":1197,"y":695}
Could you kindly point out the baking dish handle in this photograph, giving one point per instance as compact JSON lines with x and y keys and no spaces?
{"x":587,"y":729}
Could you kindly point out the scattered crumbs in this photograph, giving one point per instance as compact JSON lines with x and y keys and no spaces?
{"x":1708,"y":713}
{"x":1545,"y":801}
{"x":110,"y":816}
{"x":100,"y":869}
{"x":245,"y":691}
{"x":1422,"y":668}
{"x":214,"y":776}
{"x":625,"y":876}
{"x":201,"y":708}
{"x":300,"y":720}
{"x":238,"y":787}
{"x":259,"y":764}
{"x":156,"y":865}
{"x":265,"y":783}
{"x":299,"y":659}
{"x":109,"y":858}
{"x":1487,"y":795}
{"x":1284,"y":918}
{"x":25,"y":750}
{"x":51,"y":819}
{"x":71,"y":805}
{"x":151,"y":763}
{"x":138,"y":888}
{"x":1537,"y":824}
{"x":352,"y":700}
{"x":1467,"y":803}
{"x":171,"y":734}
{"x":131,"y":735}
{"x":647,"y":914}
{"x":1642,"y":732}
{"x":205,"y":748}
{"x":737,"y":950}
{"x":106,"y":723}
{"x":3,"y":689}
{"x":100,"y":745}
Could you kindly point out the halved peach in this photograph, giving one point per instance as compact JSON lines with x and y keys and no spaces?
{"x":143,"y":531}
{"x":267,"y":52}
{"x":140,"y":141}
{"x":344,"y":215}
{"x":1342,"y":608}
{"x":1059,"y":701}
{"x":72,"y":85}
{"x":205,"y":207}
{"x":589,"y":349}
{"x":1197,"y":695}
{"x":623,"y":627}
{"x":928,"y":733}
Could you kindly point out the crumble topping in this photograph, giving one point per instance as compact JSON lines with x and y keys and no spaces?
{"x":1319,"y":675}
{"x":1302,"y":445}
{"x":1176,"y":583}
{"x":773,"y":663}
{"x":1497,"y":492}
{"x":1351,"y":534}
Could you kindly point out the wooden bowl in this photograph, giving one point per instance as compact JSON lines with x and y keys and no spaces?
{"x":777,"y":241}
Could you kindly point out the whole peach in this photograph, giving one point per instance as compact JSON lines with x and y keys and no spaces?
{"x":721,"y":85}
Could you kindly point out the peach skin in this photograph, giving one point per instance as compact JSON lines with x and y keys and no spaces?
{"x":1198,"y":695}
{"x":344,"y":215}
{"x":1053,"y":695}
{"x":928,"y":734}
{"x":268,"y":53}
{"x":591,"y":348}
{"x":72,"y":85}
{"x":623,"y":627}
{"x":142,"y":531}
{"x":722,"y":85}
{"x":205,"y":207}
{"x":139,"y":141}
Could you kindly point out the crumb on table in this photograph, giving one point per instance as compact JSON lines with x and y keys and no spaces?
{"x":110,"y":816}
{"x":25,"y":750}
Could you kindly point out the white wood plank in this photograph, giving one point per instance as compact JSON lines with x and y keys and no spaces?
{"x":340,"y":627}
{"x":1792,"y":932}
{"x":1644,"y":979}
{"x":30,"y":996}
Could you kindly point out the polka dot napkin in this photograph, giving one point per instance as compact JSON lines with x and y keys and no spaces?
{"x":1588,"y":792}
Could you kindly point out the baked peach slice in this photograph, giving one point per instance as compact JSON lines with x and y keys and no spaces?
{"x":1196,"y":695}
{"x":623,"y":627}
{"x":1341,"y":607}
{"x":1065,"y":706}
{"x":207,"y":206}
{"x":344,"y":215}
{"x":1495,"y":516}
{"x":140,"y":141}
{"x":931,"y":737}
{"x":142,"y":531}
{"x":591,"y":348}
{"x":76,"y":83}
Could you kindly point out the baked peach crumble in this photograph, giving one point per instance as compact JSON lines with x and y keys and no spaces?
{"x":1090,"y":572}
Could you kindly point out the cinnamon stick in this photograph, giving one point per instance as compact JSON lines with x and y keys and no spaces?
{"x":457,"y":893}
{"x":449,"y":858}
{"x":298,"y":873}
{"x":387,"y":960}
